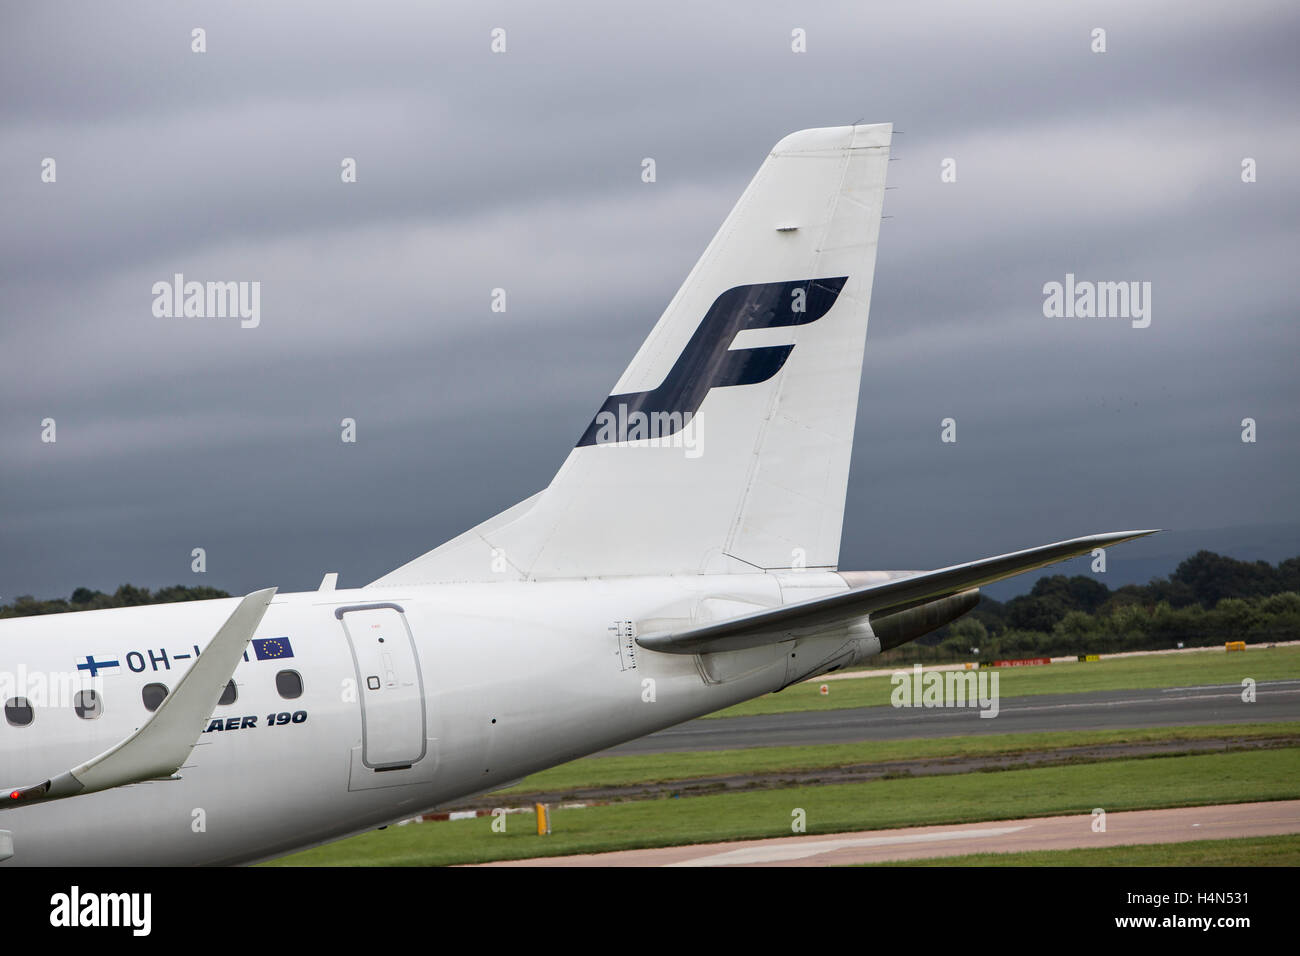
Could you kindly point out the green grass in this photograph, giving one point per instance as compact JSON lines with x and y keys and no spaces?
{"x":1241,"y":851}
{"x":1125,"y":673}
{"x":1114,"y":785}
{"x":659,"y":768}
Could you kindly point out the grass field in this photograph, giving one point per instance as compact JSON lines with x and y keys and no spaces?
{"x":658,"y":768}
{"x":1114,"y":785}
{"x":1244,"y":851}
{"x":1124,"y":673}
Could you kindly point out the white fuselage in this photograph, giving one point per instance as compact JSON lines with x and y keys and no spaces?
{"x":495,"y":681}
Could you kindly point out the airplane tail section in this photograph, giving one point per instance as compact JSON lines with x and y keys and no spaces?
{"x":724,"y":446}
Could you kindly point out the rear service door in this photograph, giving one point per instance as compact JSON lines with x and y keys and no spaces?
{"x":391,"y":690}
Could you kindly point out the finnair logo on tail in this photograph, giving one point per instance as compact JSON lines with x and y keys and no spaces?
{"x":708,"y":361}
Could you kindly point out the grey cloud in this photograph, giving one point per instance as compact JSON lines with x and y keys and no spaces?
{"x":522,"y":171}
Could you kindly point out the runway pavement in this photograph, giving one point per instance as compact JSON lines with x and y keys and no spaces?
{"x":1038,"y":833}
{"x":1114,"y":709}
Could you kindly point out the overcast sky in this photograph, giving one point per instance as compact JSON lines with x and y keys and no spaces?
{"x":522,"y":170}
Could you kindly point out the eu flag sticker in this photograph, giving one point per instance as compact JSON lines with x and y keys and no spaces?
{"x":272,"y":648}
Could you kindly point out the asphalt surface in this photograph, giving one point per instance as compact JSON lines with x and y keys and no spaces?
{"x":1001,"y":836}
{"x":1098,"y":710}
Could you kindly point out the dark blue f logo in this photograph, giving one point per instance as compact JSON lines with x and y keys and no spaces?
{"x":708,"y":361}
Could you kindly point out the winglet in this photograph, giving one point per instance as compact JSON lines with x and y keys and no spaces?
{"x":163,"y":743}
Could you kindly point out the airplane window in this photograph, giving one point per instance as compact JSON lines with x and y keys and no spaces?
{"x":87,"y":704}
{"x":289,"y":684}
{"x":153,"y":695}
{"x":229,"y":694}
{"x":18,"y":711}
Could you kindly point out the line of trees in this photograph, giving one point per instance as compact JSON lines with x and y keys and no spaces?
{"x":1209,"y":599}
{"x":84,"y":599}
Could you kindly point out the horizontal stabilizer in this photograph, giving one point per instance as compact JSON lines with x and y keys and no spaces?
{"x":848,"y":607}
{"x":163,"y":743}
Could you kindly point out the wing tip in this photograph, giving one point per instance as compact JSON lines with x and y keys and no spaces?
{"x":1112,"y":536}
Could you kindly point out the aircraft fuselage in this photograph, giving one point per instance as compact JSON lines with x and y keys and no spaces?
{"x":410,"y":698}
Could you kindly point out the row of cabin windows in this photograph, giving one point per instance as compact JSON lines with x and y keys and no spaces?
{"x":87,"y":703}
